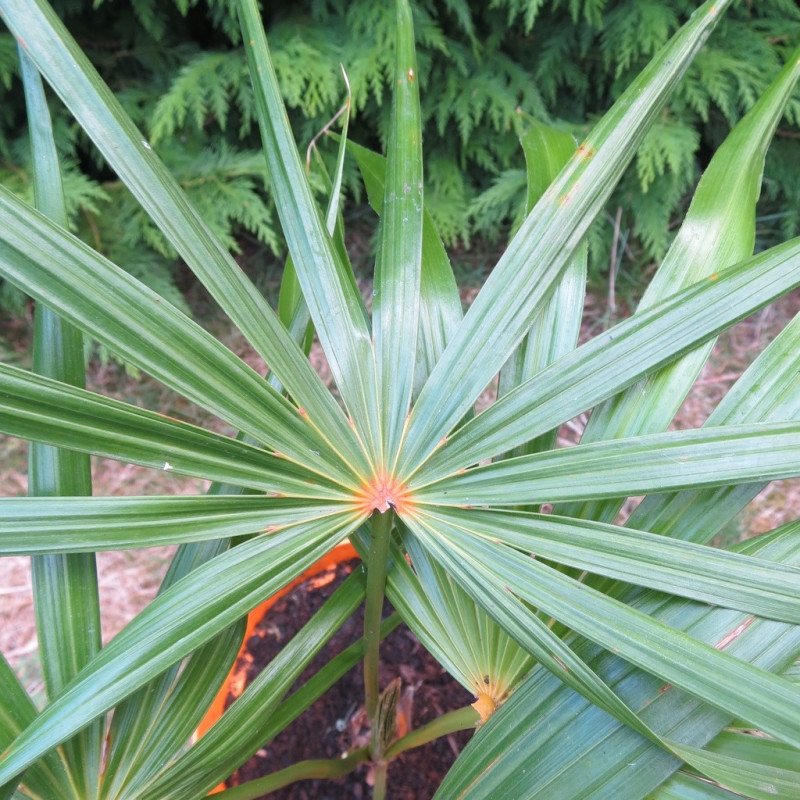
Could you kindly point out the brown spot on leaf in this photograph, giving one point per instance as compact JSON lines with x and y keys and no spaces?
{"x":734,"y":634}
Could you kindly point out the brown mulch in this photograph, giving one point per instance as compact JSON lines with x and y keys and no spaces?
{"x":336,"y":722}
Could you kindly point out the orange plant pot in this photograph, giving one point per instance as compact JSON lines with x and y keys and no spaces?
{"x":342,"y":552}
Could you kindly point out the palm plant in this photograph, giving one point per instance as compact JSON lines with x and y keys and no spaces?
{"x":611,"y":661}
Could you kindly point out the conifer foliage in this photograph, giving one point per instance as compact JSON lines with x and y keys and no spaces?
{"x":631,"y":660}
{"x":485,"y":68}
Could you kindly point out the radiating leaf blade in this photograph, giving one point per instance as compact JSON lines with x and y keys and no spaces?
{"x":555,"y":330}
{"x":113,"y":307}
{"x":74,"y":525}
{"x":705,"y":574}
{"x":766,"y":392}
{"x":526,"y":626}
{"x":682,"y":786}
{"x":39,"y":409}
{"x":440,"y":302}
{"x":161,"y":736}
{"x":771,"y":704}
{"x":583,"y":752}
{"x":151,"y":725}
{"x":48,"y":777}
{"x":753,"y":766}
{"x":530,"y":267}
{"x":231,"y":740}
{"x":335,"y":309}
{"x":719,"y":230}
{"x":174,"y":625}
{"x":396,"y":301}
{"x":69,"y":72}
{"x":292,"y":306}
{"x":619,"y":357}
{"x":65,"y":591}
{"x":660,"y":462}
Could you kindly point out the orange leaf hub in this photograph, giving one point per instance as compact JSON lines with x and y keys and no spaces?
{"x":383,"y":492}
{"x":485,"y":705}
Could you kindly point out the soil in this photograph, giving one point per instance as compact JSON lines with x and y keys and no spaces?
{"x":336,"y":722}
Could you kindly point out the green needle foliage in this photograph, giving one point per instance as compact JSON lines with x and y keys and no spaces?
{"x":607,"y":659}
{"x":178,"y":69}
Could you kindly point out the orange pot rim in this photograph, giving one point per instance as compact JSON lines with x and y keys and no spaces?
{"x":344,"y":551}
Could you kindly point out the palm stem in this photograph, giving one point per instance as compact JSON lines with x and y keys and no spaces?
{"x":303,"y":770}
{"x":379,"y":775}
{"x":376,"y":582}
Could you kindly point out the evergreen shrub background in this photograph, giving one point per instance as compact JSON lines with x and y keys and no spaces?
{"x":485,"y":68}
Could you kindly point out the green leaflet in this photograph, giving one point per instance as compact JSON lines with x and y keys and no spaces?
{"x":231,"y":740}
{"x":49,"y":776}
{"x":660,"y":462}
{"x":700,"y":573}
{"x":115,"y":308}
{"x":40,"y":409}
{"x":555,"y":331}
{"x":440,"y":304}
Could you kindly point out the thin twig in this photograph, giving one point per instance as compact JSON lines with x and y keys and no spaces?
{"x":345,"y":108}
{"x":728,"y":376}
{"x":612,"y":272}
